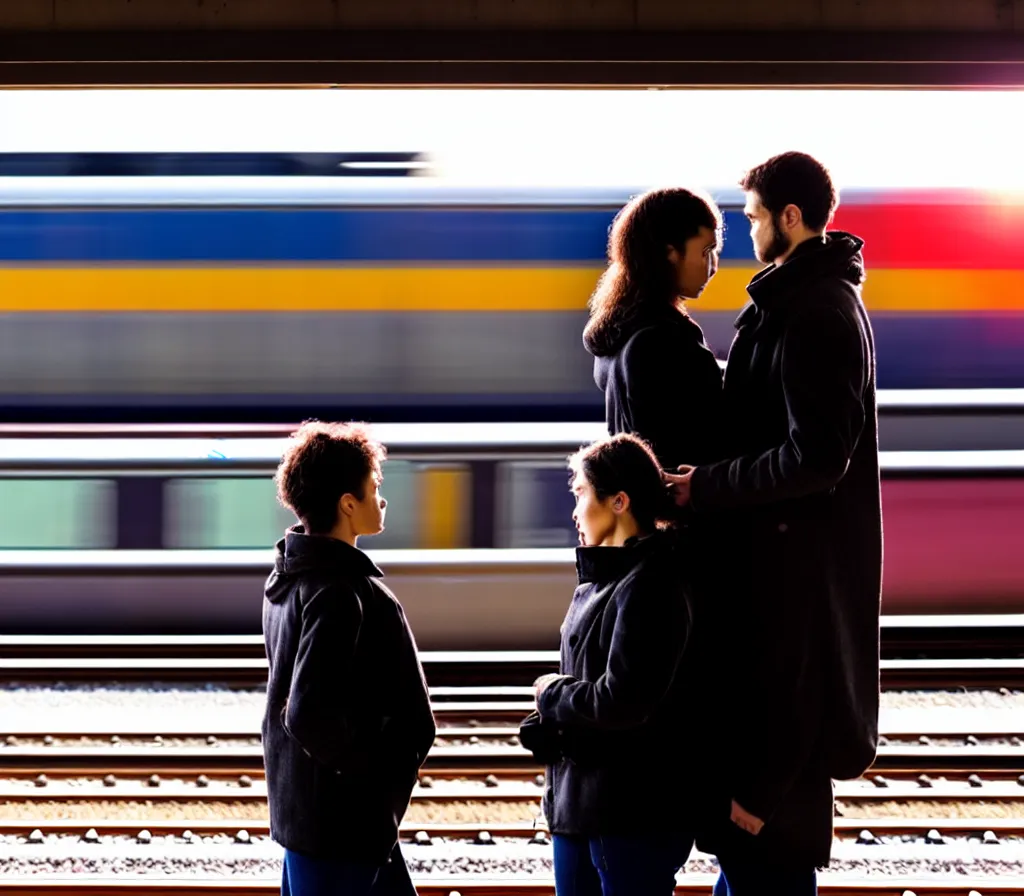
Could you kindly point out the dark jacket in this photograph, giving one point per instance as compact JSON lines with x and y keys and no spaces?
{"x":348,"y":720}
{"x":662,"y":382}
{"x":805,"y":500}
{"x":623,"y":706}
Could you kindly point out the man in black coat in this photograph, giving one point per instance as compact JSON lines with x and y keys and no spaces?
{"x":799,"y":665}
{"x":348,"y":720}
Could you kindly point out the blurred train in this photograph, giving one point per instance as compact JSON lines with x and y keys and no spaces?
{"x":411,"y":256}
{"x":174,"y":535}
{"x":273,"y":286}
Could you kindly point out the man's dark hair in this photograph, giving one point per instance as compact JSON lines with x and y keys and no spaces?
{"x":795,"y":178}
{"x":322,"y":462}
{"x":626,"y":463}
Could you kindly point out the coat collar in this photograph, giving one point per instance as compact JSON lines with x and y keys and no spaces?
{"x":300,"y":552}
{"x":836,"y":253}
{"x":604,"y":565}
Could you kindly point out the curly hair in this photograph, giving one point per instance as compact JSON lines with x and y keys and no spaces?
{"x":322,"y":462}
{"x":639,"y":277}
{"x":626,"y":463}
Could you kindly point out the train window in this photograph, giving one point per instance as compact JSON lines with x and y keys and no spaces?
{"x":58,"y":513}
{"x":243,"y":512}
{"x":223,"y":513}
{"x":535,"y":506}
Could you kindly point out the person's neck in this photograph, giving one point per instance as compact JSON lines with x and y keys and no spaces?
{"x":343,"y":532}
{"x":782,"y":259}
{"x":623,"y":531}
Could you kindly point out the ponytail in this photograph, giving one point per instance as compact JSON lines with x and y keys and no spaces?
{"x":626,"y":463}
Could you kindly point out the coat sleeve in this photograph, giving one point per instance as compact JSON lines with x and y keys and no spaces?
{"x":674,"y":396}
{"x":825,"y":371}
{"x":648,"y":639}
{"x":319,"y":714}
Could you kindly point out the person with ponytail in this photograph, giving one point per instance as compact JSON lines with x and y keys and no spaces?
{"x":660,"y":380}
{"x":611,"y":725}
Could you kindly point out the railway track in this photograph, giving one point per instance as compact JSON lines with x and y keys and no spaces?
{"x":480,"y":698}
{"x":691,"y":886}
{"x":502,"y":674}
{"x":996,"y":636}
{"x":472,"y":787}
{"x":992,"y":829}
{"x":874,"y":836}
{"x":960,"y":726}
{"x":494,"y":719}
{"x":998,"y":762}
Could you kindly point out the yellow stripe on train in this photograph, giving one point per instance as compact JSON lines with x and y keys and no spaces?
{"x":444,"y":501}
{"x":295,"y":289}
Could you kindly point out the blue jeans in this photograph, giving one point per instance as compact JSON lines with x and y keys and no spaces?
{"x":306,"y":876}
{"x":739,"y":878}
{"x":640,"y":865}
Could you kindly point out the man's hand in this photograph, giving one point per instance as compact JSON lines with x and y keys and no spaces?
{"x":741,"y":817}
{"x":679,"y":484}
{"x":541,"y":683}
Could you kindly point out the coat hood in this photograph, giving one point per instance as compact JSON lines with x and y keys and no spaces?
{"x":837,"y":254}
{"x":298,"y":553}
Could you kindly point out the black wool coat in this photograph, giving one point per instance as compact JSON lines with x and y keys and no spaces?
{"x":800,"y":682}
{"x":621,"y":709}
{"x":662,"y":382}
{"x":348,"y":720}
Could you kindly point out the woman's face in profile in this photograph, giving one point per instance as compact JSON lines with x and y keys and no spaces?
{"x":595,"y":519}
{"x":698,"y":263}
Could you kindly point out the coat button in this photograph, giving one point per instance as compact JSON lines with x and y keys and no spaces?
{"x":574,"y":640}
{"x":783,"y":527}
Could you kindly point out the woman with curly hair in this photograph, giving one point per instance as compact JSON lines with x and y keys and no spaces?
{"x":659,"y":378}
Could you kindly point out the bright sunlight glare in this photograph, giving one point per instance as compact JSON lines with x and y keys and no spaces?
{"x":869,"y":139}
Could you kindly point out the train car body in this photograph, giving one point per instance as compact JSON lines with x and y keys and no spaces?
{"x":270,"y":255}
{"x":273,"y":297}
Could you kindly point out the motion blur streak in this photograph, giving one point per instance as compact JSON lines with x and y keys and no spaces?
{"x":462,"y":310}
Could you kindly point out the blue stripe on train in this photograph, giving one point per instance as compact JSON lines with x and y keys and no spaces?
{"x":321,"y":235}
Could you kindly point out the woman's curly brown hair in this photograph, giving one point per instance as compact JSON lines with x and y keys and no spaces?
{"x":322,"y":462}
{"x":639,"y":277}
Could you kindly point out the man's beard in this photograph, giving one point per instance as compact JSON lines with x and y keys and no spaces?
{"x":779,"y":245}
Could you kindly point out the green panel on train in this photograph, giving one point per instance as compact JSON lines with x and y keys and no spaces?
{"x":57,"y":513}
